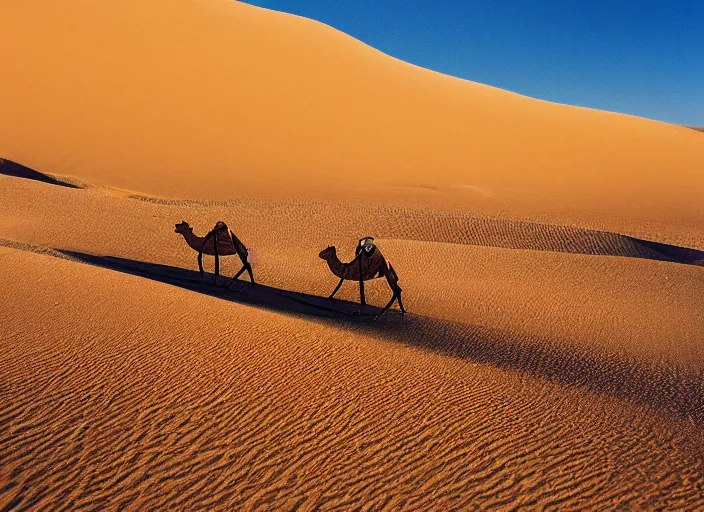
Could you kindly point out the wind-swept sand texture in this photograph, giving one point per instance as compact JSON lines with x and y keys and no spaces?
{"x":552,"y":259}
{"x":558,"y":375}
{"x":188,"y":401}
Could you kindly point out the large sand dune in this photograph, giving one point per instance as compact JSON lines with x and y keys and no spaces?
{"x":185,"y":401}
{"x":552,"y":259}
{"x":206,"y":99}
{"x":542,"y":377}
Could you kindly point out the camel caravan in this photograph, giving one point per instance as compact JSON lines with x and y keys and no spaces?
{"x":367,"y":264}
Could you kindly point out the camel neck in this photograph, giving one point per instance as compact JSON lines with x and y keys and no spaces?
{"x":192,"y":240}
{"x":336,"y":266}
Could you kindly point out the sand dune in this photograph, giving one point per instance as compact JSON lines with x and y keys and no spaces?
{"x":551,"y":257}
{"x":555,"y":282}
{"x":209,"y":99}
{"x":524,"y":377}
{"x":200,"y":403}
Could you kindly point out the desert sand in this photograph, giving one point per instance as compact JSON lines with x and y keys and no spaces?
{"x":551,"y":257}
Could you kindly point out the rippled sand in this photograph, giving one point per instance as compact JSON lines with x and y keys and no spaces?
{"x":551,"y":259}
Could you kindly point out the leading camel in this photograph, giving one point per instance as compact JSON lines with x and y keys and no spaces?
{"x":227,"y":245}
{"x":368,"y":264}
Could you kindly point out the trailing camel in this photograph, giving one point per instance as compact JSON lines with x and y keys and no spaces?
{"x":220,"y":241}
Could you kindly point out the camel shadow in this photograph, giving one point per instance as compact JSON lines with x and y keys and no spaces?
{"x":664,"y":388}
{"x":266,"y":297}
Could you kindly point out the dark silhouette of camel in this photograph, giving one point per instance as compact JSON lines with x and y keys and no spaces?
{"x":220,"y":241}
{"x":368,"y":264}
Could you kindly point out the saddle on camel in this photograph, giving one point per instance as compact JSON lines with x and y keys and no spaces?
{"x":367,"y":264}
{"x":220,"y":241}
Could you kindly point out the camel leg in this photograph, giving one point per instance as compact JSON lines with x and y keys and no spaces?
{"x":362,"y":301}
{"x":251,"y":275}
{"x":396,"y":295}
{"x":336,"y":288}
{"x":248,"y":268}
{"x":400,"y":303}
{"x":393,"y":298}
{"x":217,"y":261}
{"x":238,"y":274}
{"x":200,"y":253}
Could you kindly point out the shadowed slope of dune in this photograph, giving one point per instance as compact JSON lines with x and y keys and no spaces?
{"x":9,"y":168}
{"x":206,"y":99}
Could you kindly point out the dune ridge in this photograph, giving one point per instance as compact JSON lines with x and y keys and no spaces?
{"x":457,"y":228}
{"x":428,"y":225}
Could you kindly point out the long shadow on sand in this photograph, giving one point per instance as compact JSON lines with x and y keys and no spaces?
{"x":659,"y":386}
{"x":267,"y":297}
{"x":10,"y":168}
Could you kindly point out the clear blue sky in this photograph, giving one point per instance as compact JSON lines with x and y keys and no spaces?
{"x":638,"y":57}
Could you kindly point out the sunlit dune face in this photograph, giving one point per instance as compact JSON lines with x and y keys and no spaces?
{"x":211,"y":100}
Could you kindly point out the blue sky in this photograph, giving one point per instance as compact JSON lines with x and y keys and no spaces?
{"x":638,"y":57}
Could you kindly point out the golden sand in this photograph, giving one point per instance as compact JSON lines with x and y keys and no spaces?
{"x":553,"y":355}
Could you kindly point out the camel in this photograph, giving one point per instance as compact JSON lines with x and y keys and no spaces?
{"x":368,"y":264}
{"x":227,"y":245}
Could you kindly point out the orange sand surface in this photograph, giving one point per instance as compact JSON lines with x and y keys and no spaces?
{"x":551,"y":259}
{"x":210,"y":99}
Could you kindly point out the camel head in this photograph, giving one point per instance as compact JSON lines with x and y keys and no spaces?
{"x":327,"y":252}
{"x":183,"y":227}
